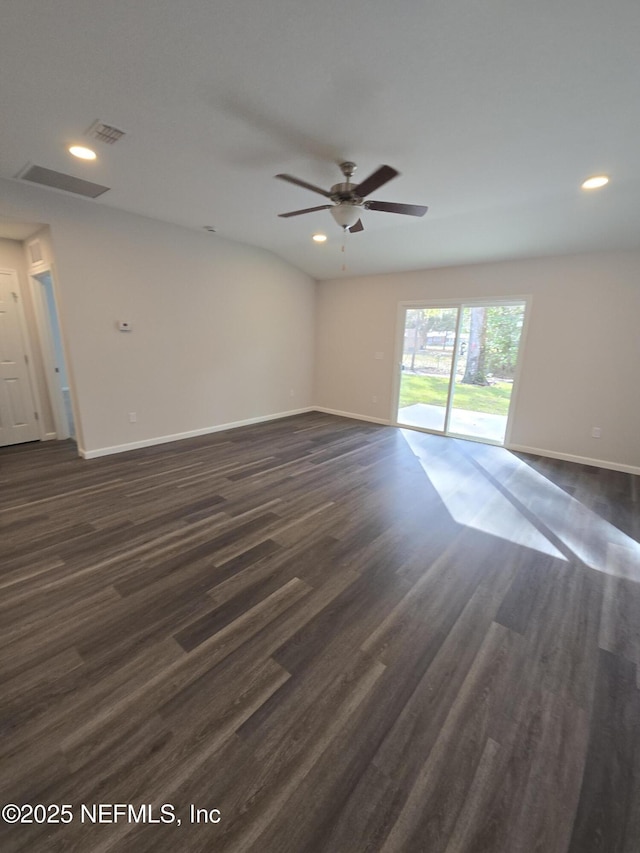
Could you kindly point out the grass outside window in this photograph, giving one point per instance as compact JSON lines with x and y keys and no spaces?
{"x":432,"y":390}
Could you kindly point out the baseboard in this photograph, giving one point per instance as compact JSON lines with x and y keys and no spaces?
{"x":165,"y":439}
{"x":383,"y":421}
{"x":581,"y":460}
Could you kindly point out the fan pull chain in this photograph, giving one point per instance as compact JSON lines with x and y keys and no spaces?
{"x":344,"y":265}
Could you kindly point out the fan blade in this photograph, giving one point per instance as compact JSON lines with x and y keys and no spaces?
{"x":392,"y":207}
{"x":357,"y":227}
{"x":304,"y":184}
{"x":306,"y":210}
{"x":375,"y":180}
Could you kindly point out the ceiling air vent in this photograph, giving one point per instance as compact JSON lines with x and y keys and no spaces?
{"x":104,"y":132}
{"x":60,"y":181}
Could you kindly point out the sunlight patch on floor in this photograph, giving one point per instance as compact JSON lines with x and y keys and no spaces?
{"x":492,"y":490}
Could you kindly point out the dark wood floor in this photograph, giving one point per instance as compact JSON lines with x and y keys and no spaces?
{"x":345,"y":637}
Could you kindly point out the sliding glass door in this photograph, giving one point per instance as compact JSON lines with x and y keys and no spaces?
{"x":427,"y":366}
{"x":458,"y":367}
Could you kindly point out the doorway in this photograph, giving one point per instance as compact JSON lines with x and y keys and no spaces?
{"x":458,"y":367}
{"x":53,"y":353}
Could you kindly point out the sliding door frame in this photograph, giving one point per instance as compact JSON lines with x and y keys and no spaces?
{"x":459,"y":304}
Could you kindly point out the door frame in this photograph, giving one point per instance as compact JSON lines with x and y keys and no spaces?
{"x":459,"y":303}
{"x":43,"y":327}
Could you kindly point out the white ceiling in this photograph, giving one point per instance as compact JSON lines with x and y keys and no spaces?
{"x":493,"y":111}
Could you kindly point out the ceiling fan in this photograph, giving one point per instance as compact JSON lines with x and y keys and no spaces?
{"x":349,"y":199}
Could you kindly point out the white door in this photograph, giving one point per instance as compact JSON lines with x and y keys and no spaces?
{"x":17,"y":410}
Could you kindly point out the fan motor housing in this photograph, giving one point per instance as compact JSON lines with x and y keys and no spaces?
{"x":344,"y":192}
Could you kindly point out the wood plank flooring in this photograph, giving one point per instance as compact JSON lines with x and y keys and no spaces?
{"x":346,"y":638}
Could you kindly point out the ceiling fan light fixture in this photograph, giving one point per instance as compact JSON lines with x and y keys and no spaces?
{"x":345,"y":214}
{"x":349,"y":200}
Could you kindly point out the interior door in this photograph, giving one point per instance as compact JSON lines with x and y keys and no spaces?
{"x":18,"y":421}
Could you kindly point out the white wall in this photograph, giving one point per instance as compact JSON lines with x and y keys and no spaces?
{"x":11,"y":257}
{"x":580,"y":365}
{"x":222,"y":332}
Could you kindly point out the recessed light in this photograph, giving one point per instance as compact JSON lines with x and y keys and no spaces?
{"x":82,"y":152}
{"x":320,"y":238}
{"x":595,"y":182}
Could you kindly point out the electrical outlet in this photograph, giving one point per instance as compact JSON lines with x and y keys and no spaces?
{"x":133,"y":417}
{"x":374,"y":399}
{"x":596,"y":432}
{"x":292,"y":393}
